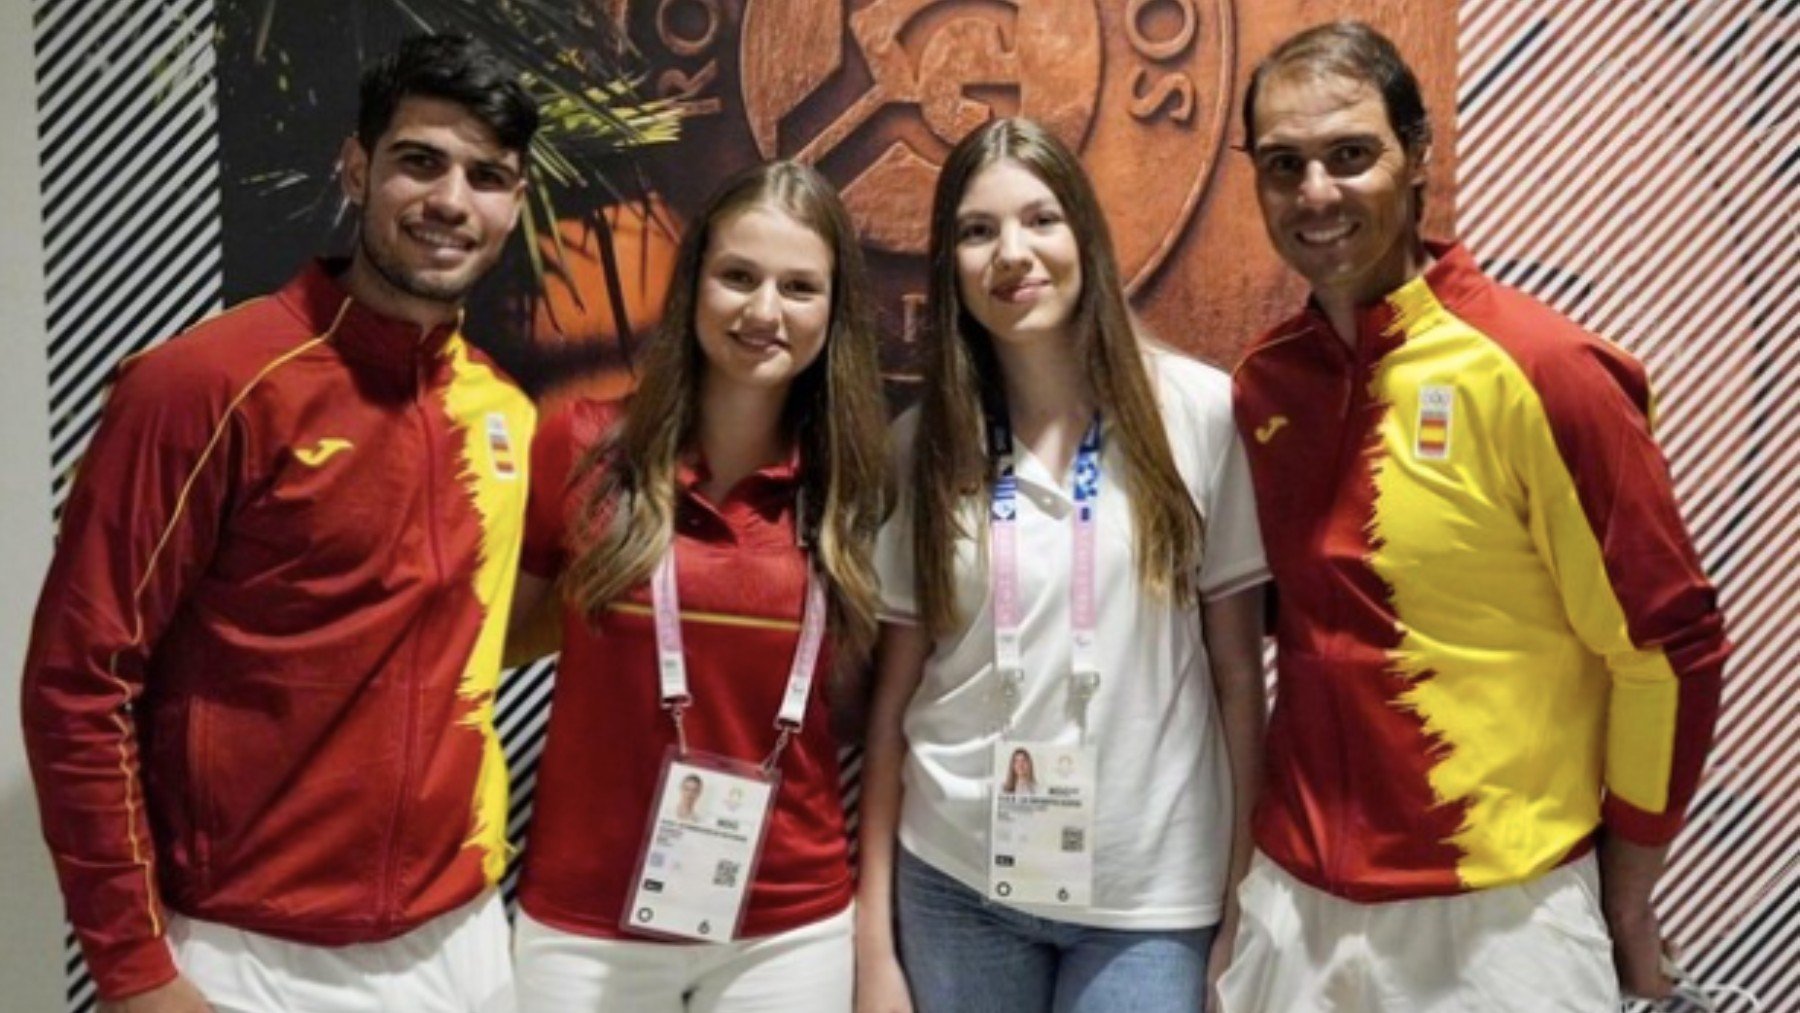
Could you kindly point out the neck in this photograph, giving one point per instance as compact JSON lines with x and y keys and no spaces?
{"x":367,"y":286}
{"x":739,"y":431}
{"x":1049,"y":398}
{"x":1343,"y":308}
{"x":1045,"y":380}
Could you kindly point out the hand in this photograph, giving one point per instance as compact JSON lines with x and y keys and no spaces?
{"x":1638,"y":949}
{"x":178,"y":996}
{"x":880,"y":984}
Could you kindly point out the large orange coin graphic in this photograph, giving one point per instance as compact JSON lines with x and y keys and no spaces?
{"x":875,"y":93}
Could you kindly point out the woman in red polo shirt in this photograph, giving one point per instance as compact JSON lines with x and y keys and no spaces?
{"x":713,"y":536}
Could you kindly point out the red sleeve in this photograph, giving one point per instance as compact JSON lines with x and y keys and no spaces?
{"x":562,"y":442}
{"x":138,"y":530}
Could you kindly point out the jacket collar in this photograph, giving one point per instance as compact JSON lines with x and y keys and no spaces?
{"x":317,"y":296}
{"x":1451,"y":280}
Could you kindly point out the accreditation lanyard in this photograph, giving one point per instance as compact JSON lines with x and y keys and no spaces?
{"x":672,"y":662}
{"x":1003,"y":536}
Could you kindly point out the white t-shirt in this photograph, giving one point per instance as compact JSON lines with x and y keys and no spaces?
{"x":1163,"y":817}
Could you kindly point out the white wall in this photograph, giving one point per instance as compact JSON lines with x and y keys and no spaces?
{"x":30,"y":909}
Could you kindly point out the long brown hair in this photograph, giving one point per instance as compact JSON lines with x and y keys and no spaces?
{"x":963,"y":384}
{"x":834,"y":412}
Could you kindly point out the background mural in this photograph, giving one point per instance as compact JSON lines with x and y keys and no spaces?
{"x":1634,"y":163}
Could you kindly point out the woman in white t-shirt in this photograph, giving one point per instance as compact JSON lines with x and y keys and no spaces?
{"x":1122,"y":651}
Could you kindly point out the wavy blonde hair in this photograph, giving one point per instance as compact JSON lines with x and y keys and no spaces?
{"x":834,"y":412}
{"x":964,"y":387}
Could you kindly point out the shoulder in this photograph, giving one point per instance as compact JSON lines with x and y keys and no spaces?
{"x":1564,"y":363}
{"x":217,"y":359}
{"x":1277,"y":336}
{"x":585,"y":420}
{"x":1196,"y":380}
{"x":1194,"y":397}
{"x":568,"y":429}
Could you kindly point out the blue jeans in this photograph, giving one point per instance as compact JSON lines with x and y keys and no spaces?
{"x":965,"y":954}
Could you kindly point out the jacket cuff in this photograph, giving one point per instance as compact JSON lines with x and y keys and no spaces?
{"x":1637,"y":826}
{"x":125,"y":969}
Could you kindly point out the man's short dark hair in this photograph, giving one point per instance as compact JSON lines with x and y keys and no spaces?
{"x":455,"y":68}
{"x":1356,"y":52}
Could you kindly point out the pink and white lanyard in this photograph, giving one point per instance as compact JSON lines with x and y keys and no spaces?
{"x":672,"y":662}
{"x":1083,"y":608}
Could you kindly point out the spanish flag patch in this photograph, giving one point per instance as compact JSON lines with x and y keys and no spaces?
{"x":1437,"y":405}
{"x":500,"y":447}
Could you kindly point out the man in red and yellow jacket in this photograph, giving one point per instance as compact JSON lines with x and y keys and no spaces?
{"x":1496,"y":646}
{"x":258,"y":700}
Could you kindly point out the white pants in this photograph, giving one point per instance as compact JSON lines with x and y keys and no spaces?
{"x":1532,"y":948}
{"x":455,"y":963}
{"x":805,"y":970}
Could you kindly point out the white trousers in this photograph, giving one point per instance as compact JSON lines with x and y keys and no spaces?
{"x":455,"y":963}
{"x":1534,"y":947}
{"x":805,"y":970}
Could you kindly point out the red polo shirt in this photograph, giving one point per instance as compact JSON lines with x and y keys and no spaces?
{"x":743,"y":584}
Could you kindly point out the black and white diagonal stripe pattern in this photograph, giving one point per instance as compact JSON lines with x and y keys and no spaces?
{"x":1637,"y":166}
{"x":127,"y":139}
{"x":128,"y":146}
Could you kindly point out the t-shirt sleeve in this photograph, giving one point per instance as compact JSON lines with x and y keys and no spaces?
{"x":1233,"y":558}
{"x":546,"y":512}
{"x":1203,"y":430}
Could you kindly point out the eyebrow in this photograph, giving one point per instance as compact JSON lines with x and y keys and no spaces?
{"x":740,"y":260}
{"x":1040,"y":204}
{"x":406,"y":145}
{"x":1285,"y":144}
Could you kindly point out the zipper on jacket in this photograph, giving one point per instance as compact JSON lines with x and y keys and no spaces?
{"x":1352,"y":359}
{"x":390,"y":908}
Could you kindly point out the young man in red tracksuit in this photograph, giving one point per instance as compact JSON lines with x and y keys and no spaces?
{"x":1499,"y":661}
{"x":258,"y":700}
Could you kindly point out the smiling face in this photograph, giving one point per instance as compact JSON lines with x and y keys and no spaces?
{"x":1337,"y":187}
{"x":762,"y":305}
{"x":1018,"y":264}
{"x":437,"y":198}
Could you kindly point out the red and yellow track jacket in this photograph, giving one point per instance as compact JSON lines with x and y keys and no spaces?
{"x":1493,"y":631}
{"x":261,"y":677}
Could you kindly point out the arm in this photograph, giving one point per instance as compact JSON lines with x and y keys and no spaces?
{"x":178,"y":996}
{"x":899,"y":662}
{"x":1233,"y":628}
{"x":1628,"y":875}
{"x":1606,"y":522}
{"x":138,"y":531}
{"x":534,"y":628}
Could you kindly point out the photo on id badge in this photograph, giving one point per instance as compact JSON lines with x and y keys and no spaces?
{"x":704,"y":834}
{"x":1041,"y":826}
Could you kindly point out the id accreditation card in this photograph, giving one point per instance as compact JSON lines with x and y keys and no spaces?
{"x":704,"y":837}
{"x":1041,"y":826}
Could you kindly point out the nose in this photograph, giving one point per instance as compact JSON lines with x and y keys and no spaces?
{"x":448,"y":198}
{"x":1009,"y":250}
{"x":1317,"y":188}
{"x":764,"y":305}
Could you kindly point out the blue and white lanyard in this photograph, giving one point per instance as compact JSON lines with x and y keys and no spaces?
{"x":1083,"y":598}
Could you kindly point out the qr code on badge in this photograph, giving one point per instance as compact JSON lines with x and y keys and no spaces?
{"x":1074,"y":839}
{"x":726,"y":874}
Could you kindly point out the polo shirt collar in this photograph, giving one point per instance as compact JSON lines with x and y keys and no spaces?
{"x":693,"y":470}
